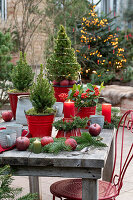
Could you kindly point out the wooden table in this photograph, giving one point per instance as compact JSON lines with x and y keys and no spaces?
{"x":76,"y":164}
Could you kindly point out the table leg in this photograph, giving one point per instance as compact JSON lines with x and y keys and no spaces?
{"x":107,"y":171}
{"x":34,"y":186}
{"x":89,"y":189}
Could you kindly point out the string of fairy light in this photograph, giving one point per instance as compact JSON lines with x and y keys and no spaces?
{"x":88,"y":38}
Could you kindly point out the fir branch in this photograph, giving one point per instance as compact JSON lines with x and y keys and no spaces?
{"x":87,"y":140}
{"x":56,"y":147}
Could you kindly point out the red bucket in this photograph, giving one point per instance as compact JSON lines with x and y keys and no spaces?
{"x":13,"y":98}
{"x":60,"y":89}
{"x":40,"y":125}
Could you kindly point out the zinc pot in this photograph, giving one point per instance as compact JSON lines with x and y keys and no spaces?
{"x":60,"y":89}
{"x":23,"y":104}
{"x":13,"y":98}
{"x":40,"y":125}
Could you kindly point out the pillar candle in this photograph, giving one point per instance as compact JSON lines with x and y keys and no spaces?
{"x":69,"y":109}
{"x":36,"y":146}
{"x":106,"y":112}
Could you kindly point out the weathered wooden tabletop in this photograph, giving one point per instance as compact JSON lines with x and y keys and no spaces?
{"x":74,"y":164}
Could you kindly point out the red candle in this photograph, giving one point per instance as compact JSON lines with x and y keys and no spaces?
{"x":106,"y":111}
{"x":69,"y":109}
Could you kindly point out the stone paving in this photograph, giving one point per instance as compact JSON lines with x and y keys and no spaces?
{"x":126,"y":192}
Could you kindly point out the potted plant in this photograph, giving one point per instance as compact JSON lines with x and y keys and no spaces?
{"x":85,"y":98}
{"x":41,"y":116}
{"x":62,"y":66}
{"x":70,"y":127}
{"x":21,"y":77}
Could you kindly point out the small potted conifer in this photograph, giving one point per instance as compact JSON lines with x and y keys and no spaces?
{"x":62,"y":66}
{"x":41,"y":116}
{"x":22,"y":78}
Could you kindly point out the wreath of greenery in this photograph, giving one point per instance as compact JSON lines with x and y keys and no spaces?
{"x":75,"y":123}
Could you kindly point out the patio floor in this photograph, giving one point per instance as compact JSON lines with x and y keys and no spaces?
{"x":126,"y":192}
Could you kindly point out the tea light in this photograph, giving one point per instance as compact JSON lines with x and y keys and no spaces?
{"x":106,"y":112}
{"x":69,"y":109}
{"x":36,"y":146}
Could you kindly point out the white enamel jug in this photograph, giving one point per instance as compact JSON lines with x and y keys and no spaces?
{"x":23,"y":104}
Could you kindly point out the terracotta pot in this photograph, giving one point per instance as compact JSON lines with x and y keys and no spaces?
{"x":67,"y":134}
{"x":40,"y":125}
{"x":13,"y":98}
{"x":85,"y":111}
{"x":60,"y":89}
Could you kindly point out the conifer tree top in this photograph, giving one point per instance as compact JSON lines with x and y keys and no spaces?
{"x":41,"y":96}
{"x":22,"y":75}
{"x":63,"y":63}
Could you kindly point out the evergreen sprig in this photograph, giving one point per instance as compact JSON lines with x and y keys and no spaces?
{"x":6,"y":191}
{"x":76,"y":122}
{"x":56,"y":147}
{"x":87,"y":140}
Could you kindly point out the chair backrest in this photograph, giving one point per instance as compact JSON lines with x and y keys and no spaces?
{"x":125,"y":124}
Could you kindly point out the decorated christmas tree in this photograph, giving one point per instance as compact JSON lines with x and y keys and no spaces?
{"x":63,"y":62}
{"x":100,"y":51}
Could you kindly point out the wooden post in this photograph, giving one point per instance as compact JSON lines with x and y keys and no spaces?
{"x":107,"y":171}
{"x":89,"y":189}
{"x":34,"y":186}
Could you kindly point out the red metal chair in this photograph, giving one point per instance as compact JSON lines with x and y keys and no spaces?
{"x":71,"y":189}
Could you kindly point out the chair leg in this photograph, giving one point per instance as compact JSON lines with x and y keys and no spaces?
{"x":57,"y":197}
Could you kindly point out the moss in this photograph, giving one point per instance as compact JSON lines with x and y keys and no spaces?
{"x":48,"y":111}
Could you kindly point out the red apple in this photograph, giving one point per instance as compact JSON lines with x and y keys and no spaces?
{"x":72,"y":82}
{"x":64,"y":83}
{"x":25,"y":133}
{"x":94,"y":129}
{"x":71,"y":142}
{"x":56,"y":82}
{"x":22,"y":143}
{"x":7,"y":116}
{"x":46,"y":140}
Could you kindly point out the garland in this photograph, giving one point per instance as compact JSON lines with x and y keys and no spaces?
{"x":75,"y":123}
{"x":85,"y":140}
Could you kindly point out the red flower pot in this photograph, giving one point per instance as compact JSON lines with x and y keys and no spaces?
{"x":67,"y":134}
{"x":60,"y":89}
{"x":13,"y":98}
{"x":85,"y":111}
{"x":40,"y":125}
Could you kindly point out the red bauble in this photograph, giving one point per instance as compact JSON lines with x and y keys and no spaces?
{"x":56,"y":82}
{"x":7,"y":116}
{"x":46,"y":140}
{"x":72,"y":82}
{"x":25,"y":133}
{"x":94,"y":129}
{"x":64,"y":83}
{"x":71,"y":142}
{"x":22,"y":143}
